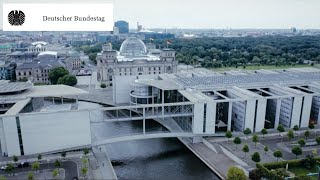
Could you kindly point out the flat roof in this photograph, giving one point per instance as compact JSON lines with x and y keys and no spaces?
{"x":161,"y":84}
{"x":54,"y":91}
{"x":250,"y":79}
{"x":7,"y":87}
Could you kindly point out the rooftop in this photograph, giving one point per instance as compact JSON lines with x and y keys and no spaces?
{"x":234,"y":80}
{"x":7,"y":87}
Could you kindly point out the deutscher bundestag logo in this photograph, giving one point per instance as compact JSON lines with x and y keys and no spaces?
{"x":16,"y":18}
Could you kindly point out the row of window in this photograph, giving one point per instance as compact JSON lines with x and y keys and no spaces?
{"x":124,"y":74}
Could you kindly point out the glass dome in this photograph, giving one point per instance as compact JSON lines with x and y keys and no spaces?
{"x":133,"y":47}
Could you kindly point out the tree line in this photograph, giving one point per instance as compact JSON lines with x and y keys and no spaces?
{"x":234,"y":52}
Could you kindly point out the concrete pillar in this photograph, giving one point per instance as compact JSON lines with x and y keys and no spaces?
{"x":261,"y":114}
{"x":250,"y":114}
{"x":197,"y":122}
{"x":229,"y":116}
{"x":296,"y":111}
{"x":144,"y":120}
{"x":162,"y":101}
{"x":306,"y":111}
{"x":277,"y":118}
{"x":211,"y":117}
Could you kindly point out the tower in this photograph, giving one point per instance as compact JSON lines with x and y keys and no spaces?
{"x":106,"y":62}
{"x":167,"y":56}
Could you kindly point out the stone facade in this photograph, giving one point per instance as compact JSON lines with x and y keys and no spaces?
{"x":134,"y":59}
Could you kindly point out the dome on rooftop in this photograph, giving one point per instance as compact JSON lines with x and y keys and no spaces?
{"x":133,"y":47}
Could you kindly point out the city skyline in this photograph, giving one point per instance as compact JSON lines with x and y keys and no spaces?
{"x":214,"y":14}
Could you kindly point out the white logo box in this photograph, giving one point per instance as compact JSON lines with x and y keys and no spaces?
{"x":61,"y":17}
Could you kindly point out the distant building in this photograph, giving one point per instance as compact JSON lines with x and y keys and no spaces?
{"x":39,"y":46}
{"x":123,"y":26}
{"x":7,"y":71}
{"x":37,"y":71}
{"x":139,"y":27}
{"x":134,"y":59}
{"x":116,"y":31}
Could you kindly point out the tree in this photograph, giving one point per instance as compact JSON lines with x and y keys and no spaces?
{"x":15,"y":159}
{"x":39,"y":157}
{"x":35,"y":166}
{"x":296,"y":128}
{"x":256,"y":157}
{"x":9,"y":168}
{"x":277,"y":154}
{"x":56,"y":73}
{"x":318,"y":140}
{"x":290,"y":135}
{"x":63,"y":154}
{"x":84,"y":171}
{"x":69,"y":80}
{"x":280,"y":128}
{"x":255,"y":139}
{"x":237,"y":141}
{"x":55,"y":173}
{"x":264,"y":132}
{"x":245,"y":149}
{"x":302,"y":142}
{"x":296,"y":150}
{"x":103,"y":85}
{"x":306,"y":134}
{"x":84,"y":161}
{"x":30,"y":176}
{"x":266,"y":149}
{"x":228,"y":135}
{"x":57,"y":164}
{"x":235,"y":173}
{"x":247,"y":131}
{"x":311,"y":126}
{"x":85,"y":151}
{"x":309,"y":162}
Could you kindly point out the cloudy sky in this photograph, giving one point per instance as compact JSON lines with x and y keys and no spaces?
{"x":303,"y":14}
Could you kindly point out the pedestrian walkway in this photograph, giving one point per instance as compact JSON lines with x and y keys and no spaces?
{"x":104,"y":162}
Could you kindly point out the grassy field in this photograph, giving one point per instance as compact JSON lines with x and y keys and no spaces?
{"x":260,"y":67}
{"x":304,"y":171}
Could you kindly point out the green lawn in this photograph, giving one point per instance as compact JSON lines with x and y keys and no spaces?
{"x":260,"y":67}
{"x":300,"y":171}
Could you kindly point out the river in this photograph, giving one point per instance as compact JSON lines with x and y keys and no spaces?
{"x":165,"y":158}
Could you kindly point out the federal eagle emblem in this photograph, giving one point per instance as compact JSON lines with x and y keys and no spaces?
{"x":16,"y":18}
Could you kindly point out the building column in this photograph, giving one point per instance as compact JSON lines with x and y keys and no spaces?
{"x":229,"y":115}
{"x":198,"y":121}
{"x":277,"y":118}
{"x":260,"y":114}
{"x":144,"y":120}
{"x":296,"y":111}
{"x":250,"y":114}
{"x":162,"y":101}
{"x":306,"y":111}
{"x":211,"y":117}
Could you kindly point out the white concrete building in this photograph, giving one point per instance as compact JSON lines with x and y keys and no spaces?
{"x":36,"y":120}
{"x":228,"y":101}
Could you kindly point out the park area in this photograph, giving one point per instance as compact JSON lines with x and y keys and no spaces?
{"x":280,"y":153}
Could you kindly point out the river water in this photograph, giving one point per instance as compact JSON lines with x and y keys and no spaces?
{"x":165,"y":158}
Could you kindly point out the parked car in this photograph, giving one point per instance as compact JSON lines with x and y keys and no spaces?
{"x":4,"y":167}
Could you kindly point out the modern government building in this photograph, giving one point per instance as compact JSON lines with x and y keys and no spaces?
{"x":233,"y":100}
{"x":200,"y":102}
